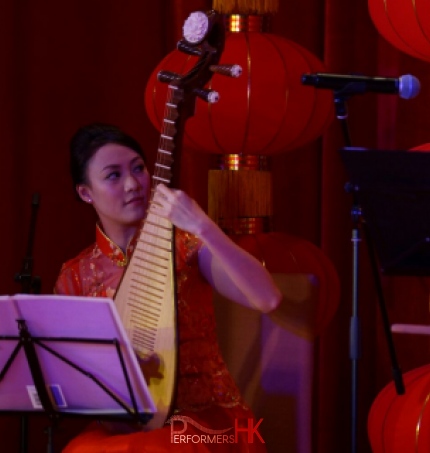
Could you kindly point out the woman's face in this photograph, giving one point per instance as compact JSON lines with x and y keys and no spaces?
{"x":117,"y":186}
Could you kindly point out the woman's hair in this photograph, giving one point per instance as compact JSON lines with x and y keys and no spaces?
{"x":88,"y":139}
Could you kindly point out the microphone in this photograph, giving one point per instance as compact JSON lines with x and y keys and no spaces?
{"x":406,"y":86}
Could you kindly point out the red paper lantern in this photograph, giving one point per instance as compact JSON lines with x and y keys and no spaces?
{"x":401,"y":423}
{"x":425,"y":147}
{"x":266,"y":110}
{"x":286,"y":254}
{"x":405,"y":24}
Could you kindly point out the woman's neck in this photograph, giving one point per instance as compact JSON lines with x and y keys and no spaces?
{"x":120,"y":235}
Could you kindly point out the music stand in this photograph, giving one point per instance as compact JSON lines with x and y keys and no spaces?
{"x":69,"y":356}
{"x":391,"y":203}
{"x":393,"y":191}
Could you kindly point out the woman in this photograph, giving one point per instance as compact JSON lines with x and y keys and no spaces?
{"x":108,"y":171}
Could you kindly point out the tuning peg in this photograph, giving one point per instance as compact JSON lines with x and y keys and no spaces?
{"x":231,"y":70}
{"x":188,"y":48}
{"x":167,"y":76}
{"x":210,"y":96}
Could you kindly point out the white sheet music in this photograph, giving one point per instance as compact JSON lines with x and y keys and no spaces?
{"x":74,"y":318}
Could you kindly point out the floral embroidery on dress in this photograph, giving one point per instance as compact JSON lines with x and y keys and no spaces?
{"x":111,"y":250}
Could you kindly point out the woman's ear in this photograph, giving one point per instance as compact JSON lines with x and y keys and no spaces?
{"x":84,"y":193}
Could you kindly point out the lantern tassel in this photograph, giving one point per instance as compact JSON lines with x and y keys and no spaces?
{"x":246,"y":6}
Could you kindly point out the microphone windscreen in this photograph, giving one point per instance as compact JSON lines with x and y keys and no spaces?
{"x":409,"y":86}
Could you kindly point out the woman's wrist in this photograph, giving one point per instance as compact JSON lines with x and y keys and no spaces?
{"x":207,"y":230}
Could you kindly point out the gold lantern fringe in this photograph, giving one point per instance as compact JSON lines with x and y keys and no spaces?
{"x":246,"y":6}
{"x":234,"y":195}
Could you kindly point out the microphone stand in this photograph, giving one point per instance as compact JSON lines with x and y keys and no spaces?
{"x":29,"y":285}
{"x":340,"y":98}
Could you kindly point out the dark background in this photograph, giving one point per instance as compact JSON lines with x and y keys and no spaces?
{"x":65,"y":64}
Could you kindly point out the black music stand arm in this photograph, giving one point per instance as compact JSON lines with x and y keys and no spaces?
{"x":395,"y":368}
{"x":91,"y":376}
{"x":27,"y":342}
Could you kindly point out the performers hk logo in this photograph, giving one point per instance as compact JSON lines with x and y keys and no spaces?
{"x":178,"y":434}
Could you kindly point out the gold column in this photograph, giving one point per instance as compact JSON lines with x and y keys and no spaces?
{"x":240,"y":194}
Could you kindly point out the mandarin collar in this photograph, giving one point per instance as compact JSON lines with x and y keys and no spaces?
{"x":113,"y":251}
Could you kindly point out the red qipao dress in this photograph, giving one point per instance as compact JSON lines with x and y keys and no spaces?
{"x":205,"y":390}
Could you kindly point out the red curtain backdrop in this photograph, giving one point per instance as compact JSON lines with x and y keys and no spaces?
{"x":65,"y":64}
